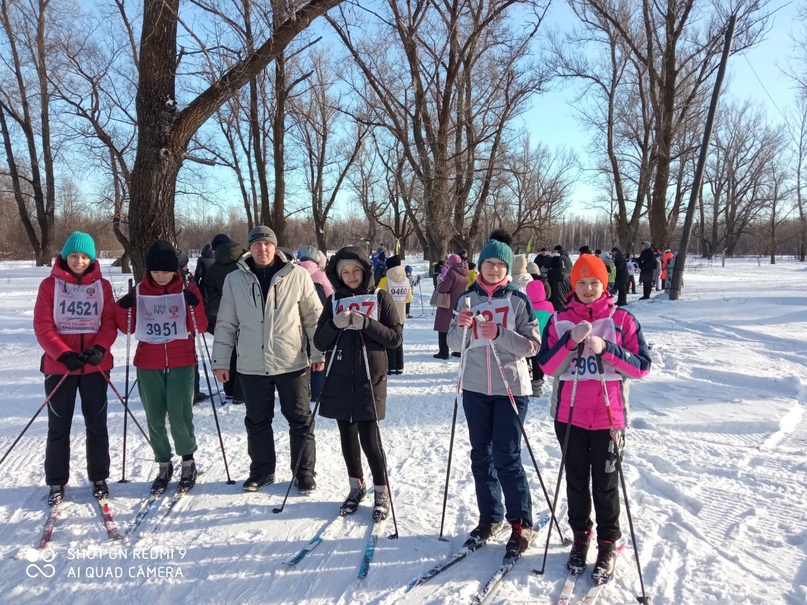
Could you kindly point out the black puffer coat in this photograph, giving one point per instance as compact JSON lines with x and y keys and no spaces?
{"x":347,"y":394}
{"x":621,"y":264}
{"x":559,"y":282}
{"x":225,"y":262}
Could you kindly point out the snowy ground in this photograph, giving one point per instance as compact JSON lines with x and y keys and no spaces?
{"x":715,"y":468}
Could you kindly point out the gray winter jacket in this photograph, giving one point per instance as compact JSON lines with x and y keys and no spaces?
{"x":271,"y":339}
{"x":481,"y":373}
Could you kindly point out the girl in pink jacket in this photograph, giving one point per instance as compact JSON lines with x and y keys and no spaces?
{"x":591,"y":319}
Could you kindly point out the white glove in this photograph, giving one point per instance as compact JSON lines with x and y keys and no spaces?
{"x":580,"y":331}
{"x":342,"y":320}
{"x":359,"y":320}
{"x":596,"y":344}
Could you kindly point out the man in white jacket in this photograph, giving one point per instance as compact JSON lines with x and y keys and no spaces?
{"x":269,"y":311}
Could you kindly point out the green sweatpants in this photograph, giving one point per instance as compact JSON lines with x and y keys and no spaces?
{"x":168,"y":393}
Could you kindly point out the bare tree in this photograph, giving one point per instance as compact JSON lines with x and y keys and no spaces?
{"x":165,"y":129}
{"x":25,"y":116}
{"x":739,"y":177}
{"x":672,"y":50}
{"x":446,"y":81}
{"x":328,"y":142}
{"x":536,"y":189}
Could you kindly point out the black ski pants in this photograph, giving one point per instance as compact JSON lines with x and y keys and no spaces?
{"x":92,"y":389}
{"x":590,"y":460}
{"x":362,"y":436}
{"x":395,"y":359}
{"x":295,"y":405}
{"x":622,"y":293}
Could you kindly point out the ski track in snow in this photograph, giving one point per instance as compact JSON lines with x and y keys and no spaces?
{"x":715,"y":470}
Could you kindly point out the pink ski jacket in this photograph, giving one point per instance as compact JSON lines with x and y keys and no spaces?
{"x":626,"y":356}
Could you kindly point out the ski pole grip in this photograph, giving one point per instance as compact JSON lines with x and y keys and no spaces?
{"x":468,"y":302}
{"x":131,"y":285}
{"x":600,"y":367}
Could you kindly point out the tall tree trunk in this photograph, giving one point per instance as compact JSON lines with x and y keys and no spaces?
{"x":159,"y":154}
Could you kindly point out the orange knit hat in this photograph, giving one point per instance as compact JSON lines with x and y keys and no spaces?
{"x":589,"y":265}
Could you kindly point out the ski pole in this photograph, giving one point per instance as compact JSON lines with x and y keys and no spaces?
{"x":565,"y":447}
{"x":454,"y":419}
{"x":299,"y":461}
{"x":523,"y":432}
{"x":31,"y":421}
{"x":126,"y":384}
{"x":378,"y":434}
{"x":125,"y":407}
{"x":215,"y":382}
{"x":618,"y":455}
{"x":230,"y":481}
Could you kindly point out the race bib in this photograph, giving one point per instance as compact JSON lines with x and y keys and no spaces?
{"x":586,"y":366}
{"x":366,"y":304}
{"x":161,"y":319}
{"x":77,"y":308}
{"x":499,"y":311}
{"x":399,"y":290}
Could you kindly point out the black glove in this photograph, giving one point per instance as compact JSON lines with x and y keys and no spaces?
{"x":127,"y":301}
{"x":72,"y":361}
{"x":93,"y":355}
{"x":191,"y":299}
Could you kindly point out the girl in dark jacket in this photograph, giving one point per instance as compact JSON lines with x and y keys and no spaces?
{"x":366,"y":325}
{"x":74,"y":323}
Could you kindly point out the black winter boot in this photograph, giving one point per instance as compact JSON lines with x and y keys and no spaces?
{"x":606,"y":562}
{"x":482,"y":533}
{"x":163,"y":478}
{"x":55,"y":495}
{"x":187,"y":478}
{"x":519,"y":539}
{"x":577,"y":556}
{"x":381,"y":508}
{"x":357,"y":493}
{"x":100,"y":489}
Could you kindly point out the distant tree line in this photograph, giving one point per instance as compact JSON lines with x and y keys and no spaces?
{"x":403,"y":128}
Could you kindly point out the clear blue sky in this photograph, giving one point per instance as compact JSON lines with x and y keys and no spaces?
{"x":757,"y":73}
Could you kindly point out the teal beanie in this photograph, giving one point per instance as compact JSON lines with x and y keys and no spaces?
{"x":496,"y":249}
{"x":79,"y":242}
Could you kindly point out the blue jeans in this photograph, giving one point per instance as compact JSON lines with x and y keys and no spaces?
{"x":496,"y":457}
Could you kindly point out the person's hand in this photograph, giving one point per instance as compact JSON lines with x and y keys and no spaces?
{"x":317,"y":366}
{"x":127,"y":301}
{"x":342,"y":320}
{"x":191,"y":299}
{"x":72,"y":361}
{"x":222,"y":375}
{"x":93,"y":355}
{"x":359,"y":320}
{"x":487,"y":329}
{"x":596,"y":344}
{"x":465,"y":319}
{"x":580,"y":331}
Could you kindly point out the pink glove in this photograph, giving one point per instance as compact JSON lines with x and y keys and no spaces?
{"x":596,"y":344}
{"x":487,"y":329}
{"x":580,"y":331}
{"x":465,"y":319}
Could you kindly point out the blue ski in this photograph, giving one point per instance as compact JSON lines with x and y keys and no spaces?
{"x":488,"y":590}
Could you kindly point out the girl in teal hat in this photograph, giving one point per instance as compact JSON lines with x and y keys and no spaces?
{"x":74,"y":323}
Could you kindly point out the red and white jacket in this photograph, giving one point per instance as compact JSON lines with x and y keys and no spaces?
{"x":176,"y":353}
{"x":56,"y":344}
